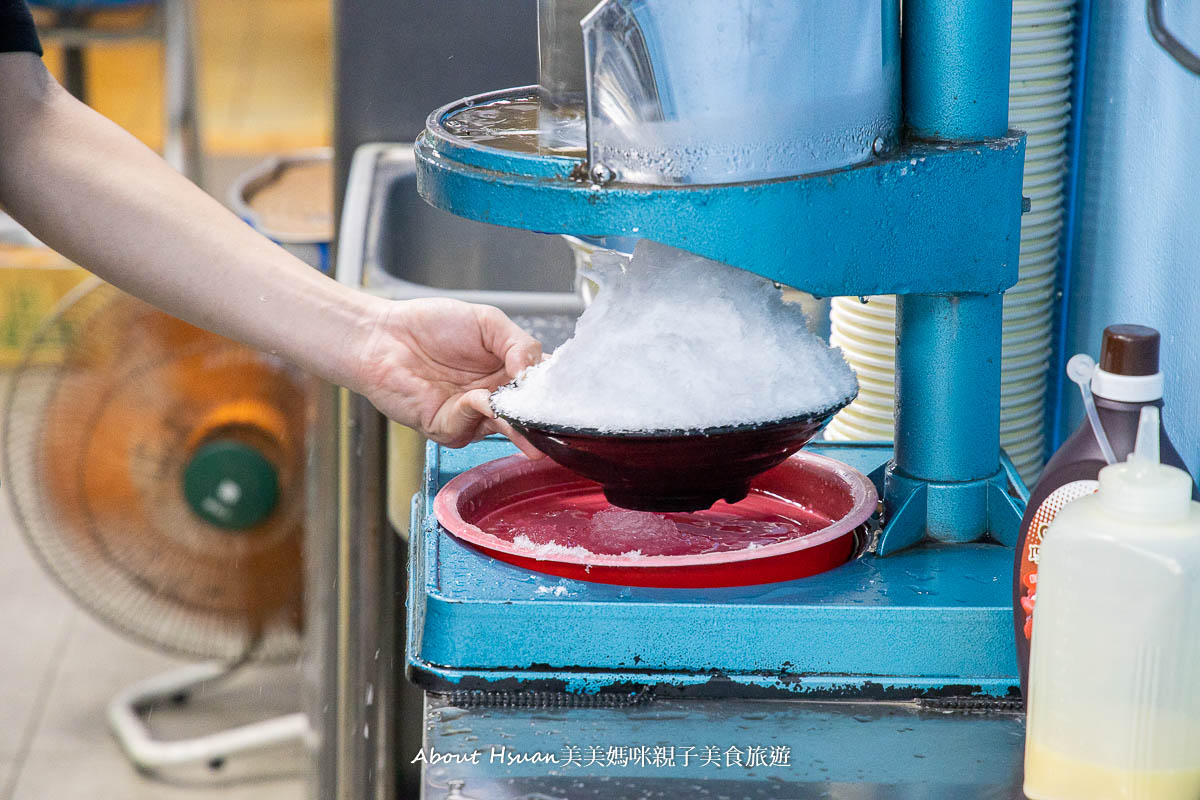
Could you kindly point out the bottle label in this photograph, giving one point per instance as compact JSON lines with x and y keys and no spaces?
{"x":1042,"y":518}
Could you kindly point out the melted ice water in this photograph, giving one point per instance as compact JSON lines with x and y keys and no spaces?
{"x":517,"y":124}
{"x":592,"y":527}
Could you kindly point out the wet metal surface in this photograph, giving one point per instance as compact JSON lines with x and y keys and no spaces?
{"x":728,"y":749}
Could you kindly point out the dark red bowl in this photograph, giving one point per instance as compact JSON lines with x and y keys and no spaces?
{"x":676,"y":470}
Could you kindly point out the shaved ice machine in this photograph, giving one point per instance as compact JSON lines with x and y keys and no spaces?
{"x":832,"y":147}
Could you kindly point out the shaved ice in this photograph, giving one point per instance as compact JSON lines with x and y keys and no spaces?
{"x":560,"y":533}
{"x":674,"y":341}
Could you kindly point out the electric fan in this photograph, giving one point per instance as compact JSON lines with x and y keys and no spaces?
{"x":157,"y":471}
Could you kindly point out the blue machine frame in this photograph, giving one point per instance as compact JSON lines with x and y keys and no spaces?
{"x":848,"y":231}
{"x":873,"y":228}
{"x":929,"y":621}
{"x":937,"y":222}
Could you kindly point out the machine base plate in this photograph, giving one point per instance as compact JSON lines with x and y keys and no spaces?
{"x":931,"y":620}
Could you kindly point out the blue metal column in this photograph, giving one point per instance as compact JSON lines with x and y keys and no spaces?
{"x":956,"y":69}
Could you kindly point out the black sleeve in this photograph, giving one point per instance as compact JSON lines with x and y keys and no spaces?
{"x":17,"y":34}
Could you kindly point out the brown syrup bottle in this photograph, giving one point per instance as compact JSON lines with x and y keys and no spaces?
{"x":1127,"y":379}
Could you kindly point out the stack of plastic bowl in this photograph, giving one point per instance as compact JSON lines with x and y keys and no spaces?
{"x":1039,"y":104}
{"x":866,"y":332}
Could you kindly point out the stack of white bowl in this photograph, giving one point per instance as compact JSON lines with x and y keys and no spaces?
{"x":1039,"y":104}
{"x":866,"y":332}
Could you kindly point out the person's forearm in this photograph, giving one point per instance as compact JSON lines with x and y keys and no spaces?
{"x":98,"y":196}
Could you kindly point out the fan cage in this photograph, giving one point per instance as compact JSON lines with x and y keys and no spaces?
{"x":117,"y":598}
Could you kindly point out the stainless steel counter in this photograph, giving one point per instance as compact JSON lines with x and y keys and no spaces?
{"x":727,"y":748}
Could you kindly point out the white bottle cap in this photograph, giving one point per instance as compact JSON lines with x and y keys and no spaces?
{"x":1142,"y":487}
{"x":1127,"y":388}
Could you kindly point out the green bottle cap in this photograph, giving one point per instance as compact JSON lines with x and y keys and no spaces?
{"x":230,"y":484}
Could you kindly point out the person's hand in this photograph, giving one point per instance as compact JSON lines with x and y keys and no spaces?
{"x":433,"y":364}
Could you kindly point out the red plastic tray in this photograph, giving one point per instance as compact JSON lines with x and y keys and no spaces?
{"x":798,"y":520}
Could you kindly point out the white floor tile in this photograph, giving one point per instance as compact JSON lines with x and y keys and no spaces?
{"x":32,"y":634}
{"x":98,"y":663}
{"x":7,"y":773}
{"x":106,"y":774}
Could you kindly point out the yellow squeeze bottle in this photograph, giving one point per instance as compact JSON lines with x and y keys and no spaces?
{"x":1114,"y":675}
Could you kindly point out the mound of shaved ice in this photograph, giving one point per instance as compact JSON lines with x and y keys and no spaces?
{"x":674,"y":341}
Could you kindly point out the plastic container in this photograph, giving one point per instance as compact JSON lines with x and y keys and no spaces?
{"x":1114,"y":705}
{"x":289,"y":199}
{"x":1127,"y":380}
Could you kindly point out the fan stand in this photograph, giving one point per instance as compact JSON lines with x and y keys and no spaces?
{"x":127,"y":713}
{"x":250,"y":485}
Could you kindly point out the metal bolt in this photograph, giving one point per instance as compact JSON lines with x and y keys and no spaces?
{"x":601,"y":174}
{"x":1026,"y":204}
{"x":879,"y":146}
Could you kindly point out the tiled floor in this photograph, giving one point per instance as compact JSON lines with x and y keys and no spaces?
{"x":58,"y":670}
